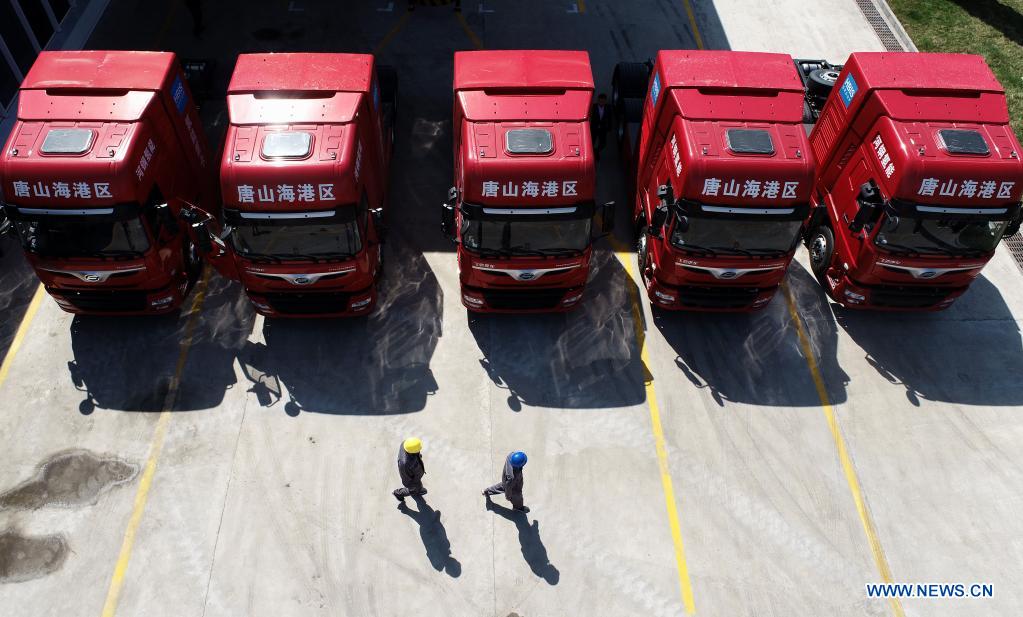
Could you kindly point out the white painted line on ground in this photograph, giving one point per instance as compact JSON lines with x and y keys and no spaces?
{"x":386,"y":9}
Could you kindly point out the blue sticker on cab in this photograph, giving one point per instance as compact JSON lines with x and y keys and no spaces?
{"x":179,"y":95}
{"x":848,"y":90}
{"x":655,"y":90}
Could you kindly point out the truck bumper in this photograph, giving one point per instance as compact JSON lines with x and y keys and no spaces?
{"x":522,"y":299}
{"x":717,"y":298}
{"x":313,"y":304}
{"x":99,"y":301}
{"x":853,"y":295}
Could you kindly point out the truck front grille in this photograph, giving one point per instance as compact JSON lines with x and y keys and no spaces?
{"x":717,"y":297}
{"x":308,"y":303}
{"x":524,"y":299}
{"x":909,"y":296}
{"x":105,"y":301}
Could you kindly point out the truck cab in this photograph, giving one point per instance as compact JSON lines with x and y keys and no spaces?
{"x":918,"y":178}
{"x":723,"y":174}
{"x":106,"y":150}
{"x":522,"y":207}
{"x":304,"y":181}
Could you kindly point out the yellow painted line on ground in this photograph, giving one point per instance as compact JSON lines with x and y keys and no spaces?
{"x":468,"y":31}
{"x":692,"y":23}
{"x":880,"y":560}
{"x":581,"y":4}
{"x":19,"y":336}
{"x":391,"y":34}
{"x":685,"y":585}
{"x":155,"y":448}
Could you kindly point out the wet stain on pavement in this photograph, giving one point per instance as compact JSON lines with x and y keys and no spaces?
{"x":70,"y":479}
{"x":23,"y":558}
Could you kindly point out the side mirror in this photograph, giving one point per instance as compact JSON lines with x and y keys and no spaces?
{"x":1013,"y":227}
{"x":378,"y":223}
{"x":869,"y":201}
{"x":453,"y":194}
{"x":447,"y":221}
{"x":682,"y":224}
{"x":660,"y":216}
{"x":165,"y":215}
{"x":202,"y":237}
{"x":607,"y":216}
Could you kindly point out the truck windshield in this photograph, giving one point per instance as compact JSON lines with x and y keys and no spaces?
{"x":96,"y":236}
{"x":298,"y":240}
{"x":528,"y":236}
{"x":736,"y":236}
{"x":911,"y":234}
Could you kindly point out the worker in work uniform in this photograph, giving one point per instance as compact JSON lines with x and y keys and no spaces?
{"x":600,"y":124}
{"x":410,"y":468}
{"x":511,"y":481}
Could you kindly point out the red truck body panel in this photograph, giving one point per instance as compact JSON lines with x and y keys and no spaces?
{"x":332,"y":101}
{"x":141,"y":145}
{"x":696,"y":101}
{"x":498,"y":92}
{"x":884,"y":123}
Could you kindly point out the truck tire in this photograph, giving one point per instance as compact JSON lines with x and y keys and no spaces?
{"x":629,"y":81}
{"x":642,"y":252}
{"x":822,"y":81}
{"x":193,"y":261}
{"x":822,"y":252}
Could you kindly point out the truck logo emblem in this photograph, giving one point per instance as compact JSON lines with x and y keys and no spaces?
{"x":728,"y":274}
{"x":91,"y":278}
{"x":301,"y":280}
{"x":928,"y":274}
{"x":527,"y":276}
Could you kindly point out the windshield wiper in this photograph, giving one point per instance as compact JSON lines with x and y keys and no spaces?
{"x":561,"y":251}
{"x":521,"y":250}
{"x":778,"y":252}
{"x":898,"y":248}
{"x":257,"y":257}
{"x":733,"y":250}
{"x":696,"y":248}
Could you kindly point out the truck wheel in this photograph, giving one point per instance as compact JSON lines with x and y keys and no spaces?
{"x":822,"y":252}
{"x":642,"y":252}
{"x":193,"y":262}
{"x":629,"y":82}
{"x":807,"y":113}
{"x":822,"y":81}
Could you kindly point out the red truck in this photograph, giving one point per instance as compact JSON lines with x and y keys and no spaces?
{"x":106,"y":149}
{"x":522,"y":207}
{"x":723,"y":173}
{"x":918,"y":177}
{"x":304,"y":181}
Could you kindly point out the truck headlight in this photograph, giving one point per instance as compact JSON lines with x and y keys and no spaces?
{"x":162,"y":301}
{"x":854,"y":297}
{"x":663,"y":297}
{"x":358,"y":304}
{"x":472,"y":300}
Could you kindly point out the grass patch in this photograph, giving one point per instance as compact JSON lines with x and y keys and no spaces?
{"x":991,"y":28}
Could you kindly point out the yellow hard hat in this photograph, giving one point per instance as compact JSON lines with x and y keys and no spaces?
{"x":412,"y":445}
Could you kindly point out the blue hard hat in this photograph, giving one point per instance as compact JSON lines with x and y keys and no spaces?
{"x":518,"y":459}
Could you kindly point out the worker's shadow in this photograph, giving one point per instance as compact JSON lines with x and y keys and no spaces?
{"x":533,"y":550}
{"x":435,"y":537}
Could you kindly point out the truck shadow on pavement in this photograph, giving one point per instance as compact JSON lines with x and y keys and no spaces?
{"x":378,"y":364}
{"x":434,"y":535}
{"x":757,"y":358}
{"x":17,"y":285}
{"x":533,"y":549}
{"x":585,"y":359}
{"x":128,"y":363}
{"x":967,"y":354}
